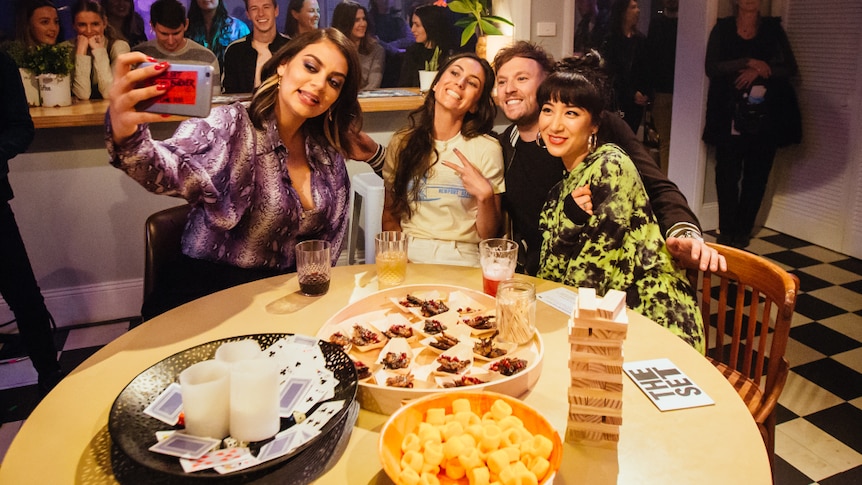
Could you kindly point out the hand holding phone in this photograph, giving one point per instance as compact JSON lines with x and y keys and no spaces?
{"x":189,"y":91}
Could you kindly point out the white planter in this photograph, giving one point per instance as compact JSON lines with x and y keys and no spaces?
{"x":56,"y":90}
{"x":425,"y":80}
{"x":31,"y":86}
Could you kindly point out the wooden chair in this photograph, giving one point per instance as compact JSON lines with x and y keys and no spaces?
{"x":164,"y":230}
{"x":753,"y":296}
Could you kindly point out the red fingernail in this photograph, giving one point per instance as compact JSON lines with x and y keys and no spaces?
{"x":161,"y":65}
{"x":162,"y":85}
{"x":166,"y":116}
{"x":152,"y":59}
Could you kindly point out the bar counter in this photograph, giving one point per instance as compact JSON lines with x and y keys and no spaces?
{"x":92,"y":113}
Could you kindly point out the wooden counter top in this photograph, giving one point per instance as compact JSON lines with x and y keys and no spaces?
{"x":92,"y":113}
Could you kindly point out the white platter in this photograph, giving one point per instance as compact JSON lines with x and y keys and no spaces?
{"x":386,"y":400}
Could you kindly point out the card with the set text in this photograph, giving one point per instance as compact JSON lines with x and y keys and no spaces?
{"x":666,"y":385}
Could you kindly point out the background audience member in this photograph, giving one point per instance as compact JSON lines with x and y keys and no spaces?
{"x":96,"y":49}
{"x":592,"y":28}
{"x":18,"y":285}
{"x":38,"y":23}
{"x":751,"y":110}
{"x":124,"y":19}
{"x":302,"y":16}
{"x":531,"y":171}
{"x":658,"y":66}
{"x":351,"y":19}
{"x":169,"y":22}
{"x":244,"y":58}
{"x":429,"y":28}
{"x":212,"y":27}
{"x":258,"y":179}
{"x":599,"y":228}
{"x":623,"y":48}
{"x":387,"y":23}
{"x":447,"y":207}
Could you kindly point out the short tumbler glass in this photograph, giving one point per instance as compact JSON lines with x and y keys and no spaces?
{"x":391,"y":258}
{"x":313,"y":267}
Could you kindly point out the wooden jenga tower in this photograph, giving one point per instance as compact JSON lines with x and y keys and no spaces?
{"x":597,"y":329}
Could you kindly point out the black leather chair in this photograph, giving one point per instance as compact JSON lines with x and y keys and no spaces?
{"x":164,"y":230}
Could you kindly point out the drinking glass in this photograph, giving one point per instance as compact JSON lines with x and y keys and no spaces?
{"x":391,"y":258}
{"x":516,"y":311}
{"x":497,"y":257}
{"x":313,"y":267}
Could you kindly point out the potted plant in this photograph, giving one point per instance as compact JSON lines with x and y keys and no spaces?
{"x":18,"y":52}
{"x":479,"y":22}
{"x":426,"y":76}
{"x":53,"y":66}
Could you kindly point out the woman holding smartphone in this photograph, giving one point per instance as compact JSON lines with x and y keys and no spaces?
{"x":258,"y":179}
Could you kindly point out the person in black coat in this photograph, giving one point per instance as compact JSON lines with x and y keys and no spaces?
{"x":751,"y":110}
{"x":17,"y":283}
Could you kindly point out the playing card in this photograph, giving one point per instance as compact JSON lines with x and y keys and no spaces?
{"x":167,"y":406}
{"x":185,"y":446}
{"x":324,"y":413}
{"x":215,"y":458}
{"x":293,"y":391}
{"x":247,"y":462}
{"x":280,"y":446}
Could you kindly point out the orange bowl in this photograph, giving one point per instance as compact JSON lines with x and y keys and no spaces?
{"x":406,"y":420}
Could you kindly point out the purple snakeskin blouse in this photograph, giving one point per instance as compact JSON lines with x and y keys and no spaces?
{"x":245,"y":212}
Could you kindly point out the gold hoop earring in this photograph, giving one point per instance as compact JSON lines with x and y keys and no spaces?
{"x":593,"y":142}
{"x":539,"y":140}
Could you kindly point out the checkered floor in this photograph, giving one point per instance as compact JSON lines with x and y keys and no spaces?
{"x":819,"y":435}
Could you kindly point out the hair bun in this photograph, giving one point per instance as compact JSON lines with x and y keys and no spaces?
{"x":592,"y":60}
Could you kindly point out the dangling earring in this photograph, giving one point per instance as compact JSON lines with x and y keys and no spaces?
{"x":539,"y":140}
{"x":329,"y":115}
{"x":593,"y":142}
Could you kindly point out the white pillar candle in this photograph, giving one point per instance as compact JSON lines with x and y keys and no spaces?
{"x":236,"y":351}
{"x":205,"y":388}
{"x":254,"y":400}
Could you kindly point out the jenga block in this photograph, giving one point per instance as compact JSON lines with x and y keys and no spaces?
{"x":600,"y":323}
{"x":612,"y":304}
{"x":614,"y":387}
{"x":601,"y":412}
{"x":590,"y":393}
{"x":587,"y":303}
{"x":592,"y":426}
{"x":597,"y":381}
{"x":578,"y":332}
{"x":591,"y":357}
{"x":582,"y":347}
{"x":597,"y":367}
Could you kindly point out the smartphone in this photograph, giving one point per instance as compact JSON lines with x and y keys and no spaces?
{"x":190,"y":92}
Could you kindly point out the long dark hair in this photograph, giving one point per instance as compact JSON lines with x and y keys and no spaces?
{"x":94,"y":6}
{"x":617,"y":15}
{"x":291,"y":26}
{"x":343,"y":19}
{"x":196,"y":19}
{"x":343,"y":116}
{"x":434,"y":22}
{"x":416,"y":150}
{"x":132,"y":26}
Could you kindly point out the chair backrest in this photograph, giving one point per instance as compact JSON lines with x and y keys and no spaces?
{"x":164,"y":230}
{"x":744,"y":342}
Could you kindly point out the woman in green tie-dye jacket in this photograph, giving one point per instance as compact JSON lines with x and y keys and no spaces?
{"x":599,"y":228}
